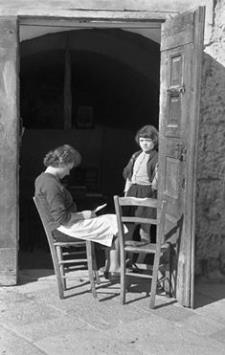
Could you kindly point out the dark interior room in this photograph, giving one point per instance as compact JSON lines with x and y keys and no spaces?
{"x":113,"y":89}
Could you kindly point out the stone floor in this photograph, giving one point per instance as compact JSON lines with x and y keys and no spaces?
{"x":33,"y":320}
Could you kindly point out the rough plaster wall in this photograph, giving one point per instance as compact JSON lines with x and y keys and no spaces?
{"x":210,"y":248}
{"x":136,"y":8}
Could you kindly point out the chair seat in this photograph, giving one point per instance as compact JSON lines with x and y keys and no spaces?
{"x":143,"y":247}
{"x":70,"y":244}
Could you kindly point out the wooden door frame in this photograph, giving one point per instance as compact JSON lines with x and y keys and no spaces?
{"x":138,"y":20}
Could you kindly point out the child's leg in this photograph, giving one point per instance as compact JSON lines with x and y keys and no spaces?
{"x":145,"y":237}
{"x":112,"y":263}
{"x":107,"y":261}
{"x":130,"y":227}
{"x":145,"y":233}
{"x":114,"y":257}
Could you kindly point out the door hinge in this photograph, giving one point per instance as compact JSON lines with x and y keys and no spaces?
{"x":180,"y":151}
{"x":176,"y":91}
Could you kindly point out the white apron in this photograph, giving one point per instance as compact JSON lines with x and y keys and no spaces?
{"x":98,"y":229}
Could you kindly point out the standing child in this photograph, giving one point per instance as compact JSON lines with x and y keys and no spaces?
{"x":140,"y":172}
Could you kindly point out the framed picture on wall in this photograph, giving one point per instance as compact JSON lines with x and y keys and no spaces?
{"x":84,"y":118}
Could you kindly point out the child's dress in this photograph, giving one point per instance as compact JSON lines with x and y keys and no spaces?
{"x":139,"y":174}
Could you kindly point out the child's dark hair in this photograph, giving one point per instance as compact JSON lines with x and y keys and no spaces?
{"x":61,"y":156}
{"x":147,"y":131}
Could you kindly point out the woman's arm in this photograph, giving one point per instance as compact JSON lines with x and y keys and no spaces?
{"x":127,"y":171}
{"x":127,"y":185}
{"x":79,"y":216}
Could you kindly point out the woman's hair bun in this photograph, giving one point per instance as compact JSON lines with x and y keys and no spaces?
{"x":61,"y":156}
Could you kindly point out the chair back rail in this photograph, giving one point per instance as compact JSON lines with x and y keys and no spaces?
{"x":159,"y":206}
{"x":135,"y":201}
{"x":139,"y":220}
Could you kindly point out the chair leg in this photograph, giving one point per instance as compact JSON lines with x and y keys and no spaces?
{"x":170,"y":270}
{"x":57,"y":272}
{"x":61,"y":267}
{"x":97,"y":278}
{"x":90,"y":267}
{"x":154,"y":277}
{"x":95,"y":270}
{"x":122,"y":276}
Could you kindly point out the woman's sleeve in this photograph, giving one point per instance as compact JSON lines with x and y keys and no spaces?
{"x":128,"y":168}
{"x":126,"y":172}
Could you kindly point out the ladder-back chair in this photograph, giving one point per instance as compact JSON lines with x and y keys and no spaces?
{"x":134,"y":247}
{"x":66,"y":252}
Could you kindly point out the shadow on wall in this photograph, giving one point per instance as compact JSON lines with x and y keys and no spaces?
{"x":210,"y":208}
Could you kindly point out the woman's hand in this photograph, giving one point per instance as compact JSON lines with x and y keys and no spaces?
{"x":87,"y":214}
{"x":79,"y":216}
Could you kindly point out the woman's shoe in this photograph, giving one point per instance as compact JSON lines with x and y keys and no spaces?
{"x":114,"y":276}
{"x":106,"y":275}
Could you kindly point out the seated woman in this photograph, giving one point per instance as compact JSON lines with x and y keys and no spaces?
{"x":84,"y":224}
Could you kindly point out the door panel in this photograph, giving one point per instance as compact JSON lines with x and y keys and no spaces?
{"x":8,"y":150}
{"x":174,"y":90}
{"x":181,"y":48}
{"x":177,"y":31}
{"x":171,"y":188}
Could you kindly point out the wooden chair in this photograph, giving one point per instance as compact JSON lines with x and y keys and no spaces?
{"x":157,"y":249}
{"x":62,"y":251}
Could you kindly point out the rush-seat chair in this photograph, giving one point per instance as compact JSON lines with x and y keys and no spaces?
{"x":134,"y":247}
{"x":66,"y":252}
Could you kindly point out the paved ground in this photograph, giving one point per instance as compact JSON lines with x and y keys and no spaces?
{"x":34,"y":321}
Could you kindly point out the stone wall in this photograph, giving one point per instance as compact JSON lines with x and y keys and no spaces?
{"x":210,"y":246}
{"x":69,"y":7}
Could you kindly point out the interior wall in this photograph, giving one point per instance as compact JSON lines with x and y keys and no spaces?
{"x":101,"y":147}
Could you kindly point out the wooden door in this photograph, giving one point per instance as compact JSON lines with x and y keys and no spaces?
{"x":181,"y":53}
{"x":8,"y":150}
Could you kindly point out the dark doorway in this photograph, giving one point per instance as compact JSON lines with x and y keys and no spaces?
{"x":115,"y":91}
